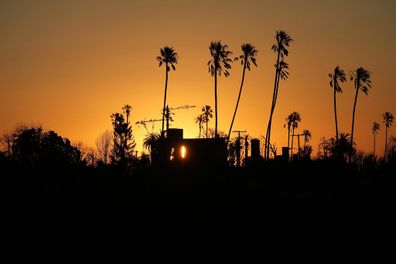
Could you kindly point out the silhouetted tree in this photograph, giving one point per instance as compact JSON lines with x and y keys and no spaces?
{"x":169,"y":58}
{"x":152,"y":142}
{"x":388,"y":121}
{"x":374,"y":129}
{"x":305,"y":152}
{"x":337,"y":76}
{"x":199,"y":120}
{"x":342,"y":148}
{"x":6,"y":141}
{"x":391,"y":151}
{"x":26,"y":144}
{"x":211,"y":133}
{"x":104,"y":145}
{"x":307,"y":136}
{"x":295,"y":119}
{"x":248,"y":57}
{"x":88,"y":154}
{"x":123,"y":140}
{"x":232,"y":152}
{"x":288,"y":125}
{"x":32,"y":146}
{"x":280,"y":47}
{"x":218,"y":64}
{"x":361,"y":78}
{"x":207,"y":113}
{"x":127,"y":109}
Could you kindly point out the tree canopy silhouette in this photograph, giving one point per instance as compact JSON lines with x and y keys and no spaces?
{"x":361,"y":79}
{"x":337,"y":76}
{"x":33,"y":146}
{"x":207,"y":113}
{"x":280,"y":47}
{"x":169,"y":58}
{"x":124,"y":142}
{"x":388,"y":121}
{"x":374,"y":129}
{"x":218,"y":64}
{"x":249,"y":53}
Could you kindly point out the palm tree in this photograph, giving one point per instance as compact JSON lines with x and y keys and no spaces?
{"x":207,"y":113}
{"x":249,"y":54}
{"x":127,"y":109}
{"x":295,"y":120}
{"x":280,"y":47}
{"x":342,"y":148}
{"x":307,"y":136}
{"x":199,"y":120}
{"x":361,"y":78}
{"x":169,"y":58}
{"x":151,"y":143}
{"x":374,"y":129}
{"x":388,"y":121}
{"x":288,"y":124}
{"x":218,"y":64}
{"x":337,"y":76}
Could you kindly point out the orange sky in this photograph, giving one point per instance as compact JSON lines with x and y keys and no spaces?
{"x":69,"y":64}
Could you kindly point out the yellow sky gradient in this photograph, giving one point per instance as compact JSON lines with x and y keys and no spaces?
{"x":69,"y":64}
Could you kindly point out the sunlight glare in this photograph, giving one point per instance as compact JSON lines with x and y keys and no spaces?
{"x":183,"y":152}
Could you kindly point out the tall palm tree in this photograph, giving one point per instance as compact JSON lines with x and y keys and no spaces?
{"x":199,"y":120}
{"x":388,"y":121}
{"x":248,"y":57}
{"x":361,"y":78}
{"x":218,"y":64}
{"x":295,"y":120}
{"x":374,"y":129}
{"x":207,"y":113}
{"x":169,"y":58}
{"x":337,"y":76}
{"x":280,"y":47}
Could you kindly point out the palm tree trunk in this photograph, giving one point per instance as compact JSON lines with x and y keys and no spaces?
{"x":207,"y":121}
{"x":163,"y":108}
{"x":288,"y":142}
{"x":292,"y":142}
{"x":167,"y":117}
{"x":298,"y":137}
{"x":268,"y":135}
{"x":353,"y":117}
{"x":386,"y":142}
{"x":374,"y":144}
{"x":335,"y":111}
{"x":239,"y":97}
{"x":215,"y":83}
{"x":199,"y":136}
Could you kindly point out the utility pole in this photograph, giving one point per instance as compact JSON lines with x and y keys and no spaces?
{"x":246,"y":148}
{"x":238,"y":146}
{"x":298,"y":144}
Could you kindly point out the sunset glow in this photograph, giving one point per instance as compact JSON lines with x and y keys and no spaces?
{"x":68,"y":65}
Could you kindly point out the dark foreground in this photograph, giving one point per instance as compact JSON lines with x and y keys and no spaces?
{"x":313,"y":192}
